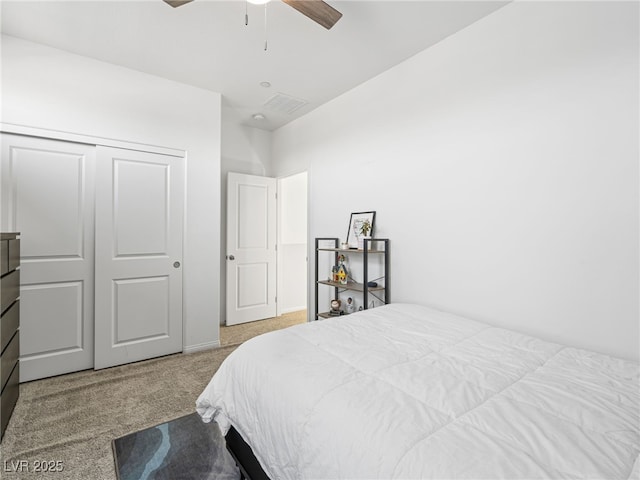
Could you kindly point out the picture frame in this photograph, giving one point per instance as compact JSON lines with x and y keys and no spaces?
{"x":355,"y":223}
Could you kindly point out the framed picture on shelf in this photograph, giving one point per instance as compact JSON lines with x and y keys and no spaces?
{"x":360,"y":225}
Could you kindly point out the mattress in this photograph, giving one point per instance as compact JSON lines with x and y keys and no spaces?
{"x":405,"y":391}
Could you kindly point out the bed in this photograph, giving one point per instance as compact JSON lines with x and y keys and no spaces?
{"x":405,"y":391}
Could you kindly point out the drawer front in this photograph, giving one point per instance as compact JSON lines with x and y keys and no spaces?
{"x":9,"y":324}
{"x":4,"y":256}
{"x":8,"y":399}
{"x":9,"y":358}
{"x":14,"y":254}
{"x":9,"y":289}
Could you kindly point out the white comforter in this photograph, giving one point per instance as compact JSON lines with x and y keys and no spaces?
{"x":404,"y":391}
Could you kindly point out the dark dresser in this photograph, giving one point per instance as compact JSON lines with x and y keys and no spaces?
{"x":9,"y":325}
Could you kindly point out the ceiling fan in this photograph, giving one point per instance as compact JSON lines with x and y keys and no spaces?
{"x":317,"y":10}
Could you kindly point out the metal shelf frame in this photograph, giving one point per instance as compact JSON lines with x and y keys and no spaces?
{"x":357,"y":287}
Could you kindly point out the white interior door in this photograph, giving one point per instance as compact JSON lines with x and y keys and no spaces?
{"x":139,"y":229}
{"x":251,"y":248}
{"x":48,"y":196}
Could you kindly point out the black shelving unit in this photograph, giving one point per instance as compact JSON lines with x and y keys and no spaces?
{"x":371,"y":247}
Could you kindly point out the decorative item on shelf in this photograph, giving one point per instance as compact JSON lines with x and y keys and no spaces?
{"x":372,"y":284}
{"x":342,"y":270}
{"x":335,"y":308}
{"x":344,"y":246}
{"x":365,"y":227}
{"x":356,"y":223}
{"x":334,"y":273}
{"x":351,"y":306}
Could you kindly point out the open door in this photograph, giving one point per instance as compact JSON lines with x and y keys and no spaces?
{"x":251,"y":248}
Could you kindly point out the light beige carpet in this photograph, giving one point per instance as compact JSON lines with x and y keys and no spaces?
{"x":236,"y":334}
{"x":72,"y":419}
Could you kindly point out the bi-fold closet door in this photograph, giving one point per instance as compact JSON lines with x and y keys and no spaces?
{"x":101,"y":233}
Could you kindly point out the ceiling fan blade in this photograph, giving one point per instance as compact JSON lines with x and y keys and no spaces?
{"x":317,"y":10}
{"x":177,"y":3}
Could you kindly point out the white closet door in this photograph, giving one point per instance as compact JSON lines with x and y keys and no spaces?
{"x":47,"y":196}
{"x":139,"y":228}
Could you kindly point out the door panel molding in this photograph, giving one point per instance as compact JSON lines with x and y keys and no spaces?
{"x":133,"y":293}
{"x":255,"y":278}
{"x":57,"y":230}
{"x":59,"y":300}
{"x":141,"y":231}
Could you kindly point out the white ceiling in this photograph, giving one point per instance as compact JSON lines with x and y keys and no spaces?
{"x":206,"y":43}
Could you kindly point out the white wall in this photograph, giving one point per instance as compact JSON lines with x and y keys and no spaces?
{"x":503,"y":165}
{"x":50,"y":89}
{"x":292,"y":243}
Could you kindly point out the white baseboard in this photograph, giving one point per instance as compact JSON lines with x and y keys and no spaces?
{"x":292,"y":309}
{"x":201,"y":346}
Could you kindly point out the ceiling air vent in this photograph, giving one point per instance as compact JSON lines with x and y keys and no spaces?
{"x":284,"y":103}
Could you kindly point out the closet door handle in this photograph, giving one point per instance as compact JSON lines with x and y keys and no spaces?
{"x":231,"y":257}
{"x":176,"y":264}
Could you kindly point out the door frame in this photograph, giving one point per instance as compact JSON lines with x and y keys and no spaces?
{"x":281,"y":256}
{"x":127,"y":145}
{"x":223,"y":270}
{"x":87,"y":139}
{"x":48,"y":134}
